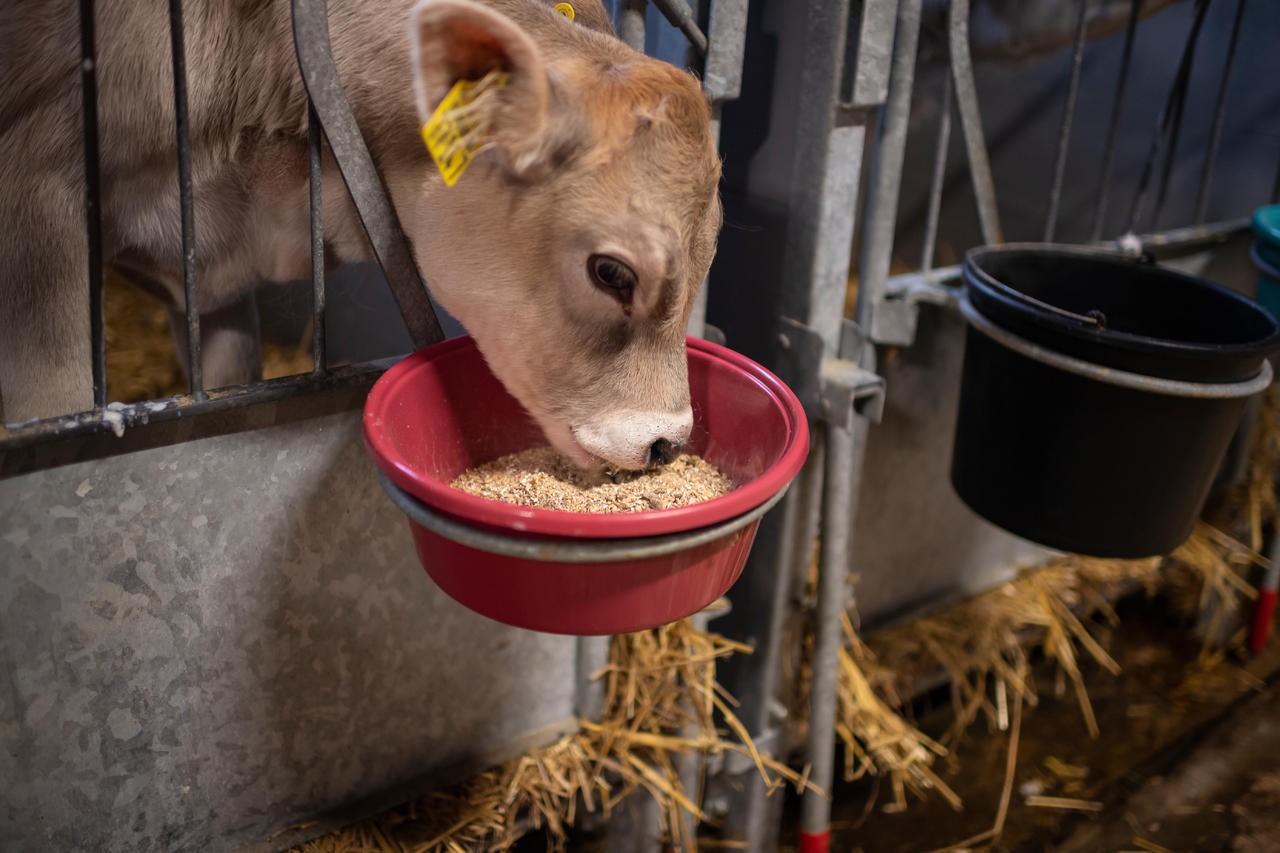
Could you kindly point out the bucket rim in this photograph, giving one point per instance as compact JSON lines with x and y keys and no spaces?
{"x":1081,"y":327}
{"x":1109,"y":375}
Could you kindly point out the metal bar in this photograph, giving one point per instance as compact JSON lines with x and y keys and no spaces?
{"x":120,"y":417}
{"x":937,"y":286}
{"x":825,"y":173}
{"x":92,"y":199}
{"x":939,"y":177}
{"x":984,"y":188}
{"x":843,"y":473}
{"x":682,"y":18}
{"x":727,"y":38}
{"x":1219,"y":116}
{"x":195,"y":370}
{"x":1109,"y":155}
{"x":318,"y":351}
{"x":886,"y":180}
{"x":363,"y":182}
{"x":721,"y":81}
{"x":1164,"y":123}
{"x":1068,"y":115}
{"x":632,"y":28}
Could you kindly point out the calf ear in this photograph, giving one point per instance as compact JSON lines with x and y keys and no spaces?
{"x":456,"y":40}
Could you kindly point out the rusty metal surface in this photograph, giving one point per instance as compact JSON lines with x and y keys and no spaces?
{"x":201,"y":645}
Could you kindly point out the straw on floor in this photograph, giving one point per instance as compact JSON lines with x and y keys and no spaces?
{"x":662,"y":703}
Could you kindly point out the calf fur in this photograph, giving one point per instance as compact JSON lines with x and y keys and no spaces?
{"x":571,"y":249}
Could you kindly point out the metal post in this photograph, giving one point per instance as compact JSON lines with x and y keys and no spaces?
{"x":845,"y":452}
{"x":984,"y":188}
{"x":721,"y":81}
{"x":315,"y":179}
{"x":886,"y":180}
{"x":1170,"y":116}
{"x":1113,"y":129}
{"x":1220,"y":113}
{"x":1064,"y":132}
{"x":195,"y":370}
{"x":939,"y":177}
{"x":92,"y":197}
{"x":631,"y":28}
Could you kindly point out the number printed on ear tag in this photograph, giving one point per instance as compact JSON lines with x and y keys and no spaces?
{"x":456,"y":130}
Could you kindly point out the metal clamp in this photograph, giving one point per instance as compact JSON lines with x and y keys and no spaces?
{"x":1112,"y":376}
{"x":832,"y":389}
{"x":571,"y":550}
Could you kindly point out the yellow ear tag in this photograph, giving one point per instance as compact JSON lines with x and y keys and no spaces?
{"x":456,"y":130}
{"x":565,"y":9}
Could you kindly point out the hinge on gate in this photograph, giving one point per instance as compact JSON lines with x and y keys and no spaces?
{"x":832,"y":388}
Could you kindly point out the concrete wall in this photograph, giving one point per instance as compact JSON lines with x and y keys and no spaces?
{"x":203,"y":644}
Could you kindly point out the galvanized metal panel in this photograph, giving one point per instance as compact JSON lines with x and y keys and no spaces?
{"x":201,"y":645}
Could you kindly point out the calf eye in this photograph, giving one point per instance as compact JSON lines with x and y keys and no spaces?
{"x":612,"y":276}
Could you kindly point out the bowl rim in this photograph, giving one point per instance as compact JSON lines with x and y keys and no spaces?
{"x":533,"y":522}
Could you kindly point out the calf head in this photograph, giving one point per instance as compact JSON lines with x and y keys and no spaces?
{"x":575,"y":242}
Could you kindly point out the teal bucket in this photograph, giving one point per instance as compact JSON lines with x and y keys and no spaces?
{"x":1266,"y":255}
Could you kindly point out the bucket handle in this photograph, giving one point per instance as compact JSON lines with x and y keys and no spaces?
{"x":568,"y":550}
{"x":1112,"y":376}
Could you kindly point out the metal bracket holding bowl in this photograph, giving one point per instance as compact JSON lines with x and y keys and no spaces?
{"x":832,"y":389}
{"x":568,"y":550}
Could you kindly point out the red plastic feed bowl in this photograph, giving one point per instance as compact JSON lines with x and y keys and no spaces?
{"x":442,"y":411}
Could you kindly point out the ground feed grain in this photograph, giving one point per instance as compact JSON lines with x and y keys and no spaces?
{"x":544,"y":479}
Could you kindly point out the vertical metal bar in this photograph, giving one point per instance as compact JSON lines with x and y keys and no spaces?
{"x":92,"y":202}
{"x":1170,"y":115}
{"x":843,"y":474}
{"x":1064,"y":133}
{"x":1220,"y":112}
{"x":721,"y":81}
{"x":886,"y":180}
{"x":939,"y":176}
{"x":632,"y":29}
{"x":1109,"y":155}
{"x":984,"y":188}
{"x":186,"y":200}
{"x":355,"y":164}
{"x":825,"y":176}
{"x":318,"y":351}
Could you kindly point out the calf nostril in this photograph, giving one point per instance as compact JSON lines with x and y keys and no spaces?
{"x":663,"y":452}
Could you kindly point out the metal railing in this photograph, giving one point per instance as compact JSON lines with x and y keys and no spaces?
{"x":96,"y":432}
{"x":887,"y":304}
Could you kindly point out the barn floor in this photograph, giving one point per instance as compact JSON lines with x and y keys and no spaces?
{"x":1188,"y":760}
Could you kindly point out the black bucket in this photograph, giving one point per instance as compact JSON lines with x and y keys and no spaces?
{"x":1099,"y":395}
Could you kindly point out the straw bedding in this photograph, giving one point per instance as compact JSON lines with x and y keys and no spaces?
{"x":662,"y":703}
{"x":142,"y":359}
{"x":983,"y":644}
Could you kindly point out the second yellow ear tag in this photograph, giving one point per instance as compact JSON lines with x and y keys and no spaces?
{"x":456,"y":130}
{"x":565,"y":9}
